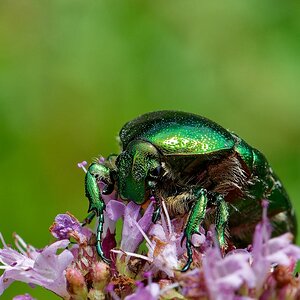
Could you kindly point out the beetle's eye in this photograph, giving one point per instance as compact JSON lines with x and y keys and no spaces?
{"x":155,"y":172}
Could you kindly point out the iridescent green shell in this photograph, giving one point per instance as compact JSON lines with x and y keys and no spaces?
{"x":178,"y":133}
{"x":184,"y":134}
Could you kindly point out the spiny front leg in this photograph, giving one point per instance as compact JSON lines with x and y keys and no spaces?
{"x":195,"y":218}
{"x":97,"y":173}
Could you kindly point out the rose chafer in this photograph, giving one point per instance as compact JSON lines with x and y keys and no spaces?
{"x":199,"y":169}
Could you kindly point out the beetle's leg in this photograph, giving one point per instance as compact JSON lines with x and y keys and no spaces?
{"x":156,"y":213}
{"x":88,"y":218}
{"x":99,"y":235}
{"x":157,"y":210}
{"x":221,"y":221}
{"x":195,"y":218}
{"x":97,"y":173}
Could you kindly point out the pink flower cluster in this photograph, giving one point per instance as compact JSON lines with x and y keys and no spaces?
{"x":147,"y":259}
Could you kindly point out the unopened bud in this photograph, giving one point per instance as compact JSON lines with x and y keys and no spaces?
{"x":100,"y":275}
{"x":96,"y":295}
{"x":76,"y":285}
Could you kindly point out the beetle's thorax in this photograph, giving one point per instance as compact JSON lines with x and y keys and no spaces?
{"x":134,"y":167}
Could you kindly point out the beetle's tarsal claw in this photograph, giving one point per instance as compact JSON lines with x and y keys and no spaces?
{"x":187,"y":265}
{"x":189,"y":251}
{"x":106,"y":260}
{"x":182,"y":240}
{"x":101,"y":254}
{"x":189,"y":255}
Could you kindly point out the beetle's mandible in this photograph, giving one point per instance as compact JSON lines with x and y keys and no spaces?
{"x":193,"y":164}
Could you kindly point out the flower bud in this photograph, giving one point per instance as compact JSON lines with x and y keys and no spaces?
{"x":96,"y":295}
{"x":100,"y":275}
{"x":76,"y":285}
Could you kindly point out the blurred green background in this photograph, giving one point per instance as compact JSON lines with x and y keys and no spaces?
{"x":73,"y":72}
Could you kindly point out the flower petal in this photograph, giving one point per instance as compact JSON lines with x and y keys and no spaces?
{"x":115,"y":209}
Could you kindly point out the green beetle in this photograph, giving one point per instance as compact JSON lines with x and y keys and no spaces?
{"x":193,"y":164}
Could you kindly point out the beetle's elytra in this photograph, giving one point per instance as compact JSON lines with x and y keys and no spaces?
{"x":193,"y":164}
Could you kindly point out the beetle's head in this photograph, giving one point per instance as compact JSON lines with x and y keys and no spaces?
{"x":138,"y":169}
